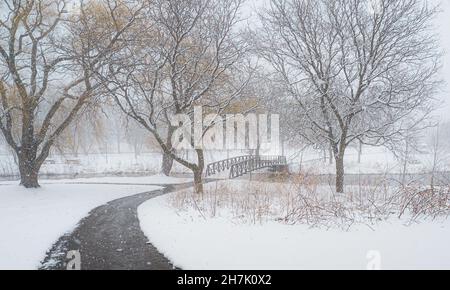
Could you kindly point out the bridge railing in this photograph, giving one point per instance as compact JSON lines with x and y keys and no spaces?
{"x":223,"y":165}
{"x":256,"y":163}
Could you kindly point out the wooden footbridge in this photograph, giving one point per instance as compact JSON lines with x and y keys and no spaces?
{"x":241,"y":165}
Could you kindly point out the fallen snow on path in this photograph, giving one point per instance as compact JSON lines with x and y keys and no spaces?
{"x":32,"y":220}
{"x":191,"y":242}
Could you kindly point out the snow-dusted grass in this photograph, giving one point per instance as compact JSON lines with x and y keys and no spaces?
{"x":300,"y":199}
{"x":246,"y":232}
{"x":32,"y":220}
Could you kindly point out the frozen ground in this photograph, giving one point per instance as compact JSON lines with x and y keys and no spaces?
{"x":198,"y":241}
{"x":32,"y":220}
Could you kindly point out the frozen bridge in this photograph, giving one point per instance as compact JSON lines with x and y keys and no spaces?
{"x":241,"y":165}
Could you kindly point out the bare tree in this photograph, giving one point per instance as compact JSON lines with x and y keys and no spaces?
{"x":49,"y":53}
{"x":356,"y":73}
{"x":187,"y":54}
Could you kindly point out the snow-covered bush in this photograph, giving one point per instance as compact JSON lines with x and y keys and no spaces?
{"x":428,"y":203}
{"x":303,"y":201}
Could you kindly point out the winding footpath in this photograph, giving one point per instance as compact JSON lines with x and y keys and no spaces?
{"x":110,"y":238}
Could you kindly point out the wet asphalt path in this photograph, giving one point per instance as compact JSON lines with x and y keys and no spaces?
{"x":110,"y":238}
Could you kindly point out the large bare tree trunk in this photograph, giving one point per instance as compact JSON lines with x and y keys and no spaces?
{"x":340,"y":173}
{"x":28,"y":176}
{"x":30,"y":162}
{"x":29,"y":169}
{"x":167,"y":164}
{"x":167,"y":161}
{"x":198,"y":172}
{"x":198,"y":181}
{"x":27,"y":154}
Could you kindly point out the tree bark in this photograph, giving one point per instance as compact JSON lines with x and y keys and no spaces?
{"x":340,"y":173}
{"x":29,"y":178}
{"x":167,"y":164}
{"x":167,"y":161}
{"x":198,"y":172}
{"x":29,"y":170}
{"x":198,"y":181}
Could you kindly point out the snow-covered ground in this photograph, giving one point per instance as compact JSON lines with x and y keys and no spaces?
{"x":111,"y":163}
{"x":192,"y":240}
{"x":32,"y":220}
{"x":90,"y":164}
{"x":137,"y":180}
{"x":375,"y":160}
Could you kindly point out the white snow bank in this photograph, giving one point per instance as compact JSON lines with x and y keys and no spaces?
{"x":192,"y":242}
{"x":32,"y":220}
